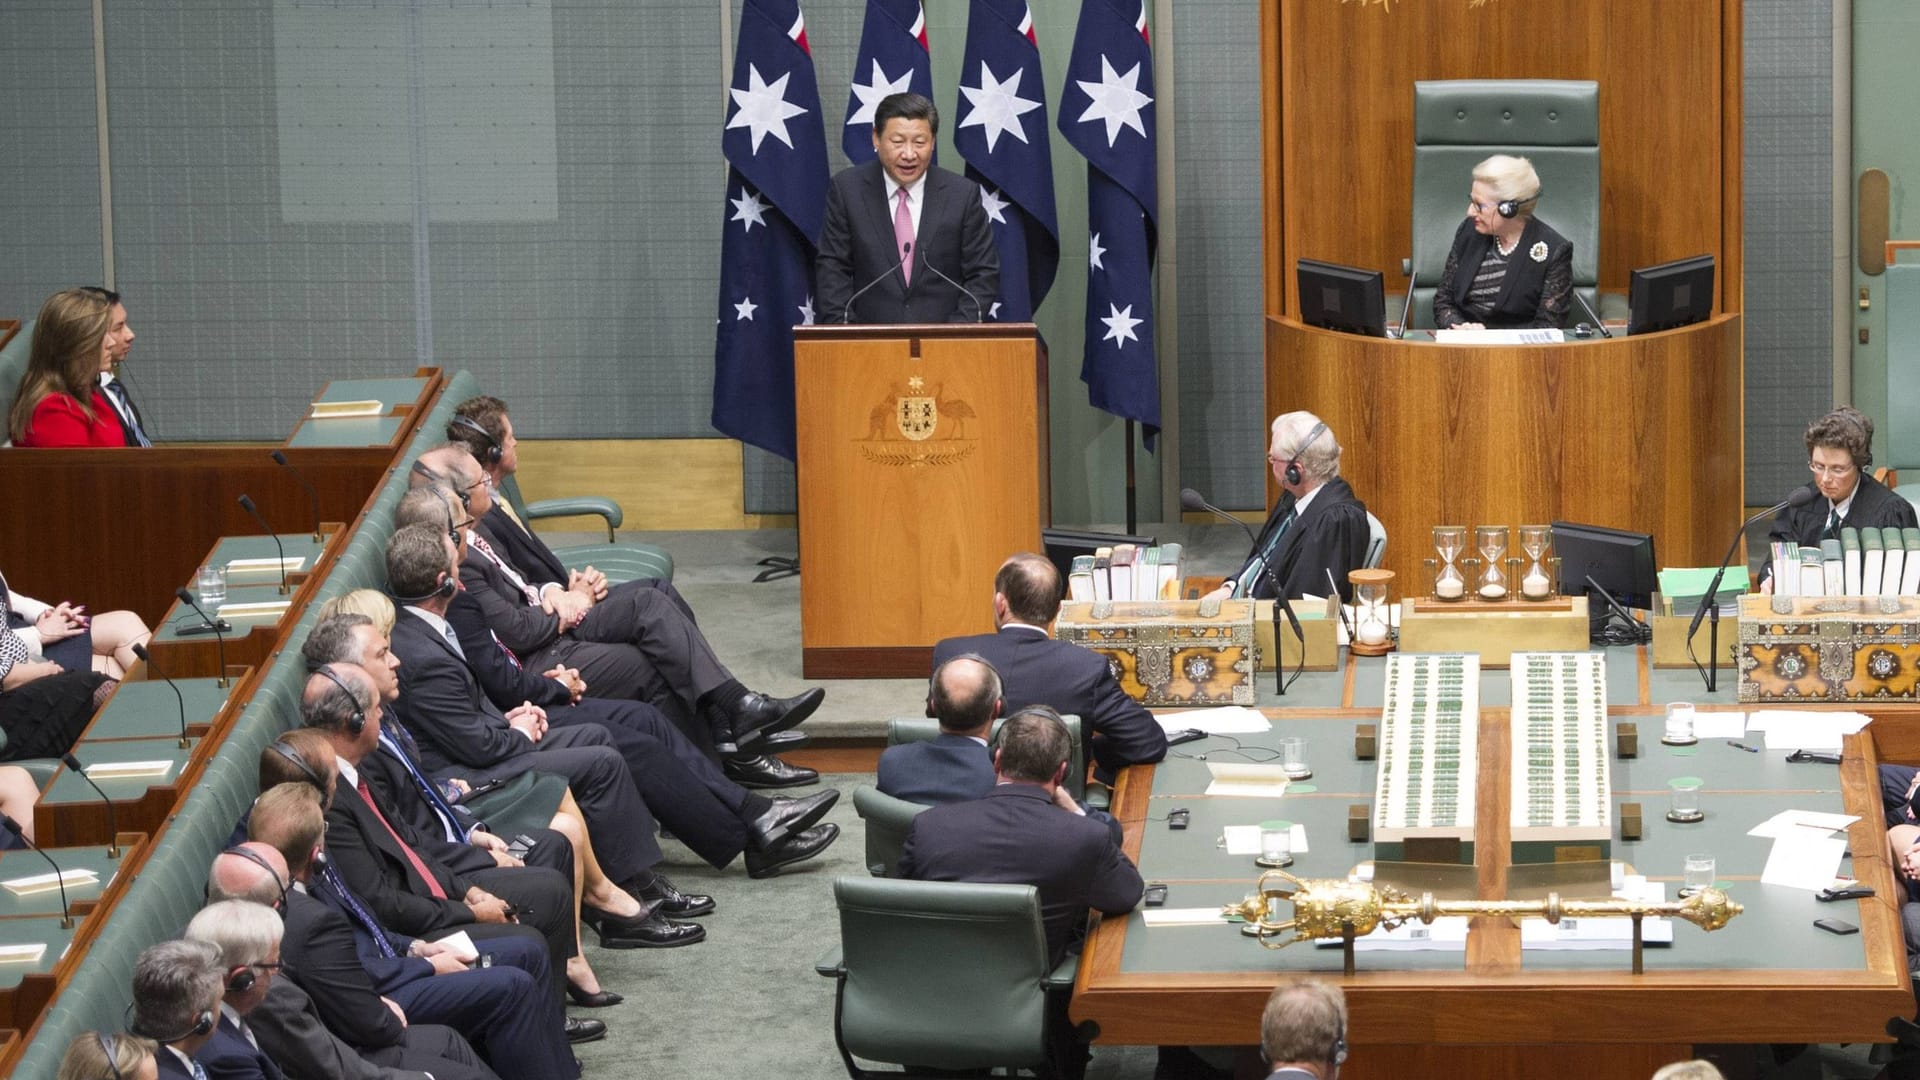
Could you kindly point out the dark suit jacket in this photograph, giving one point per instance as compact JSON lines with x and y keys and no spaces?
{"x":1037,"y":670}
{"x":289,"y":1029}
{"x":498,"y":677}
{"x":1875,"y":505}
{"x":460,"y":732}
{"x":229,"y":1056}
{"x":322,"y":954}
{"x":169,"y":1064}
{"x":947,"y":768}
{"x":1536,"y":292}
{"x":1331,"y":536}
{"x":857,"y":248}
{"x":524,"y":628}
{"x":1016,"y":835}
{"x":528,"y":553}
{"x":380,"y":874}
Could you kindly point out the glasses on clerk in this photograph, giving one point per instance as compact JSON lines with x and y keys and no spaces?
{"x":1835,"y":471}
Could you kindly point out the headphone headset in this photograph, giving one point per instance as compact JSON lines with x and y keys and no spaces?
{"x":110,"y":1045}
{"x":1338,"y":1054}
{"x":241,"y":979}
{"x":466,"y":499}
{"x":243,"y":853}
{"x":1510,"y":208}
{"x":1294,"y":475}
{"x":202,"y":1024}
{"x":358,"y":722}
{"x":491,"y":453}
{"x":279,"y":746}
{"x":447,"y":587}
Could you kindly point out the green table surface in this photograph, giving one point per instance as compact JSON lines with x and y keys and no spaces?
{"x":180,"y":615}
{"x":1742,"y":790}
{"x":22,"y":931}
{"x":70,"y":788}
{"x":347,"y":431}
{"x":229,"y":548}
{"x":390,"y":391}
{"x":18,"y":864}
{"x":140,"y":710}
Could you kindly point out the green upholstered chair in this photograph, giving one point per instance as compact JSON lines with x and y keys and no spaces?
{"x":902,"y":998}
{"x":1552,"y":122}
{"x":13,"y":365}
{"x":906,"y":729}
{"x":627,"y":561}
{"x":887,"y":821}
{"x":1376,"y":542}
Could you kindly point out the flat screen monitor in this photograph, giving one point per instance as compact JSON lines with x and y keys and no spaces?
{"x":1618,"y":561}
{"x":1063,"y":544}
{"x":1675,"y":294}
{"x":1343,"y":298}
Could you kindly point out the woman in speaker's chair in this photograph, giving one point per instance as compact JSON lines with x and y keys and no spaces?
{"x":1507,"y":269}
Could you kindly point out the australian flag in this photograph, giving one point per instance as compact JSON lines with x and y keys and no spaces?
{"x":775,"y":144}
{"x":1106,"y":112}
{"x":1002,"y":133}
{"x":893,"y":60}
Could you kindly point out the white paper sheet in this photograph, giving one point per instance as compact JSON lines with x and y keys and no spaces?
{"x":462,"y":946}
{"x":1228,"y":720}
{"x":50,"y":882}
{"x":1247,"y":780}
{"x":1719,"y":725}
{"x":1245,"y":839}
{"x":127,"y":770}
{"x":1802,"y":822}
{"x":1800,"y":729}
{"x":1182,"y":916}
{"x":1807,"y":862}
{"x":1448,"y":934}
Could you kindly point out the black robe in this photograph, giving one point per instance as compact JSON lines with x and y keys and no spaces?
{"x":1331,"y":536}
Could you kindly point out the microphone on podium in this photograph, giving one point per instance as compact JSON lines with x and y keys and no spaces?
{"x":1710,"y":610}
{"x":218,"y":627}
{"x":906,"y":251}
{"x":66,"y":913}
{"x":1193,"y":500}
{"x":113,"y":825}
{"x":246,"y":503}
{"x":313,"y":497}
{"x":140,"y":651}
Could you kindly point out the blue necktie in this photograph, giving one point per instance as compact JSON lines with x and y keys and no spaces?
{"x":448,"y":819}
{"x":125,"y":406}
{"x":1243,"y":586}
{"x":372,"y":926}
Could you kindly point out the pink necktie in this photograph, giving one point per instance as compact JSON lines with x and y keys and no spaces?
{"x":903,"y":236}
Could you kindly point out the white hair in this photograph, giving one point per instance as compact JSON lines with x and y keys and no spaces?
{"x":1510,"y":178}
{"x":243,"y":931}
{"x":1320,"y":459}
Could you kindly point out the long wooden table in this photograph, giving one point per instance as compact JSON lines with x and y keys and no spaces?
{"x":1768,"y":977}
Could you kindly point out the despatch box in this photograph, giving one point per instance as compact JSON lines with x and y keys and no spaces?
{"x":1165,"y":652}
{"x":1494,"y":630}
{"x":1829,"y":648}
{"x":1317,"y":623}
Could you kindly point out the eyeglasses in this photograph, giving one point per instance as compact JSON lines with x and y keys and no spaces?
{"x":273,"y":968}
{"x":1835,"y":471}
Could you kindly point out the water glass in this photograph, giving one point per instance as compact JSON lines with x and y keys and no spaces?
{"x":1684,"y":800}
{"x":1698,"y":874}
{"x":213,"y":585}
{"x":1679,"y":730}
{"x":1276,"y":844}
{"x":1293,"y":758}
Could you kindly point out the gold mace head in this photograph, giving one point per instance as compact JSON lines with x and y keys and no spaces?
{"x":1709,"y":909}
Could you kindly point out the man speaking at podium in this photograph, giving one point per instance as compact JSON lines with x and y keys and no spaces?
{"x":904,"y":241}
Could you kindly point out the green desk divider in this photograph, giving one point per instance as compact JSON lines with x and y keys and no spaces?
{"x":19,"y":864}
{"x":395,"y":391}
{"x":148,"y":710}
{"x":347,"y":431}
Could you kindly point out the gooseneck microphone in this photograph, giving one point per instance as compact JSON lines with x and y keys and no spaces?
{"x":1710,"y":610}
{"x":1193,"y":500}
{"x":979,"y":315}
{"x":152,"y":669}
{"x":313,"y":497}
{"x":1406,"y":307}
{"x":906,"y":252}
{"x":66,"y":913}
{"x":218,"y":628}
{"x":246,"y":503}
{"x":1588,"y":308}
{"x":113,"y":825}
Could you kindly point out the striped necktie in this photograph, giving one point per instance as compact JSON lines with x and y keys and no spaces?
{"x":1243,"y":585}
{"x":371,"y":925}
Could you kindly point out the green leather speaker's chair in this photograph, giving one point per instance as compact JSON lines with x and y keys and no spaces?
{"x":619,"y":561}
{"x":945,"y":975}
{"x":1459,"y":123}
{"x":887,"y":820}
{"x":906,"y":729}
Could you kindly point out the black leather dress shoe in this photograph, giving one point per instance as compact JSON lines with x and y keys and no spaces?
{"x":599,"y":999}
{"x":798,"y":848}
{"x":766,"y":771}
{"x":584,"y":1031}
{"x":756,"y":716}
{"x":788,"y":816}
{"x":654,"y":931}
{"x":662,"y":895}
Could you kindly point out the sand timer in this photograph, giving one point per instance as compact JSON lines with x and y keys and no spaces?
{"x":1491,"y":542}
{"x":1372,"y":612}
{"x":1536,"y":579}
{"x":1448,"y":542}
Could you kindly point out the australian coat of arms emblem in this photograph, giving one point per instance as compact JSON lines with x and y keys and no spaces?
{"x":918,"y":426}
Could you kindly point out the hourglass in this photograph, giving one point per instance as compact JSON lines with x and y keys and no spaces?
{"x":1448,"y":542}
{"x":1536,"y":580}
{"x":1372,"y":615}
{"x":1491,"y":542}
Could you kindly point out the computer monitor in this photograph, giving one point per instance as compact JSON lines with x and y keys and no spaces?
{"x":1343,"y":298}
{"x":1063,"y":544}
{"x":1674,"y":294}
{"x":1616,"y":560}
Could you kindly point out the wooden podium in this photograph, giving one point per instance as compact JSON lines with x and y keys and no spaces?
{"x":922,"y":466}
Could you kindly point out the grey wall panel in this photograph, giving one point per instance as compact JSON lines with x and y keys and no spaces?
{"x":50,"y":164}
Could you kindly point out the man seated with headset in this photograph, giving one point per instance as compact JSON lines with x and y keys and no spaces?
{"x":1303,"y":1032}
{"x":177,"y":987}
{"x":247,"y":936}
{"x":1318,"y":531}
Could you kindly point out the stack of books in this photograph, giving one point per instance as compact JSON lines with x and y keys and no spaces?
{"x":1683,"y":590}
{"x":1862,"y":562}
{"x":1127,"y":572}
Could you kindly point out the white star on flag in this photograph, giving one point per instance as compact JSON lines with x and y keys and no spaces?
{"x":997,"y":106}
{"x":993,"y":204}
{"x":750,"y":209}
{"x":871,"y":93}
{"x":994,"y":311}
{"x":743,"y":311}
{"x":1116,"y":99}
{"x":1094,"y":251}
{"x":764,"y":108}
{"x":806,"y":312}
{"x":1120,"y":326}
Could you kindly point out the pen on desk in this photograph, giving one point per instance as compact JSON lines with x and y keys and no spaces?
{"x":1743,"y":746}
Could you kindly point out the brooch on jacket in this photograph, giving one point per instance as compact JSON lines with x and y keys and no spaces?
{"x":1538,"y":252}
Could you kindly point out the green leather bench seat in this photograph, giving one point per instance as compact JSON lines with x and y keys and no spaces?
{"x":619,"y":560}
{"x":13,"y":365}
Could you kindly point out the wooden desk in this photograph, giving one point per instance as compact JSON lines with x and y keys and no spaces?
{"x":1772,"y":979}
{"x":1640,"y":433}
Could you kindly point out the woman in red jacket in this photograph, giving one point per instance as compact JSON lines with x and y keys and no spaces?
{"x":60,"y":403}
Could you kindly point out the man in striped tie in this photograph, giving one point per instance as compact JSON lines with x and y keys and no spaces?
{"x":1319,"y":527}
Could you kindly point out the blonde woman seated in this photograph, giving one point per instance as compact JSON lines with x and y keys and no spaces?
{"x":96,"y":1055}
{"x":1507,"y":268}
{"x":65,"y":634}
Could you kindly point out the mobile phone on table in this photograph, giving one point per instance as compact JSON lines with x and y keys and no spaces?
{"x":1156,"y":893}
{"x":1836,"y":926}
